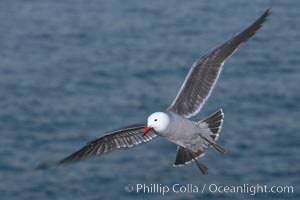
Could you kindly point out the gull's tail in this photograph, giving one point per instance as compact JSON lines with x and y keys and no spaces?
{"x":184,"y":156}
{"x":214,"y":123}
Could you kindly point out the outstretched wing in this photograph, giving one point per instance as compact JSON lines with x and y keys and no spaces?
{"x":205,"y":72}
{"x":123,"y":138}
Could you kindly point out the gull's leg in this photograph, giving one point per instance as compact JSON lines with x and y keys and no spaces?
{"x":201,"y":167}
{"x":216,"y":146}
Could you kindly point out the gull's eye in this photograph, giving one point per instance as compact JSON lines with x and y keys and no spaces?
{"x":155,"y":120}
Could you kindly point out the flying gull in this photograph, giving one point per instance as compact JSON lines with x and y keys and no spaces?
{"x":173,"y":124}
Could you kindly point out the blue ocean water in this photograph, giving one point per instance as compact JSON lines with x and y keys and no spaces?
{"x":72,"y":70}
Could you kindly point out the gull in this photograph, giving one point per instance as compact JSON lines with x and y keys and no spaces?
{"x":173,"y":123}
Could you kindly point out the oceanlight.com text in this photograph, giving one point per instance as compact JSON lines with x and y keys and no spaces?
{"x":208,"y":188}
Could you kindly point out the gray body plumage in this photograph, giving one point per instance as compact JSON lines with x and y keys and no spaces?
{"x":186,"y":133}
